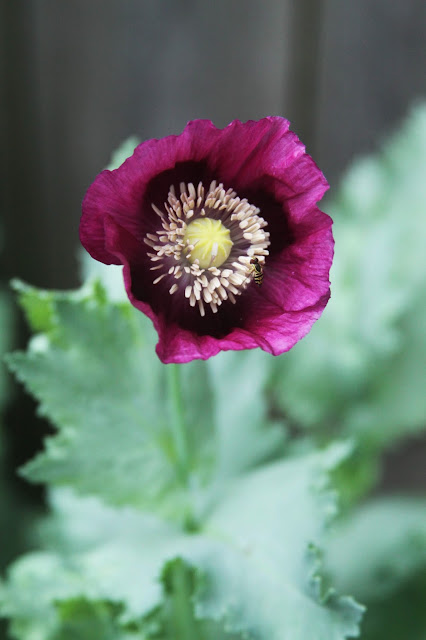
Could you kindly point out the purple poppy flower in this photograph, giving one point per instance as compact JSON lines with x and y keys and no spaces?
{"x":221,"y":240}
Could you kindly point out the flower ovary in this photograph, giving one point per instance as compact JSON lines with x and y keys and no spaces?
{"x":211,"y":241}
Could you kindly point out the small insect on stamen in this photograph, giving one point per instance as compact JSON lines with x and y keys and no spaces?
{"x":257,"y":271}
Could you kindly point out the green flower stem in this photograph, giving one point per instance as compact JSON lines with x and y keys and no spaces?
{"x":177,"y":422}
{"x":184,"y":625}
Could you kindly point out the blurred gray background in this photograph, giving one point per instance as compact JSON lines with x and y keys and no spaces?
{"x":79,"y":76}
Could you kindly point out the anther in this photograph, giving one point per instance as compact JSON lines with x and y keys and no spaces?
{"x":205,"y":243}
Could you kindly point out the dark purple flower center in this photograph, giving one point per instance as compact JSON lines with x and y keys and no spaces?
{"x":205,"y":243}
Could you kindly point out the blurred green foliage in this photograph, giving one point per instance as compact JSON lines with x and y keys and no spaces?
{"x":95,"y":373}
{"x":379,"y":553}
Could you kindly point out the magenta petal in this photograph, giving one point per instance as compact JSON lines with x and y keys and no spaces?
{"x":262,"y":161}
{"x":300,"y":277}
{"x":177,"y":345}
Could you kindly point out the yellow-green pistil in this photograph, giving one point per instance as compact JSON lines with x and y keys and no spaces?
{"x":211,"y":241}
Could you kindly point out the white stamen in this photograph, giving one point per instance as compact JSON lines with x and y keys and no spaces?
{"x":157,"y":211}
{"x":213,"y":286}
